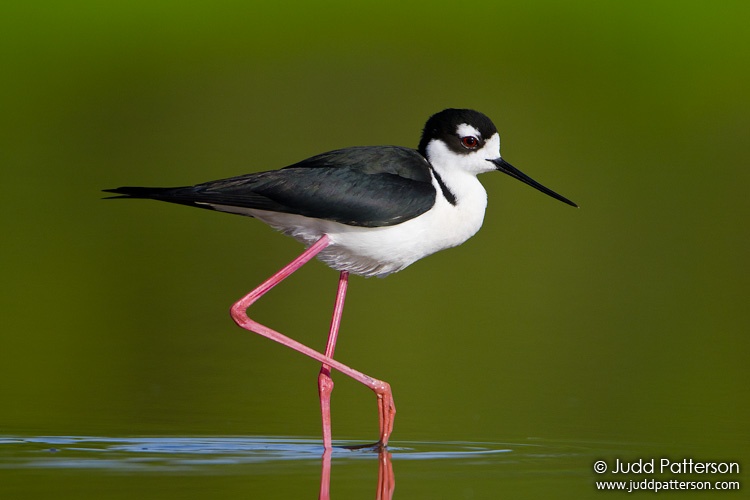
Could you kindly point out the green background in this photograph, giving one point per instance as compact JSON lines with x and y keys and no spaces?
{"x":625,"y":321}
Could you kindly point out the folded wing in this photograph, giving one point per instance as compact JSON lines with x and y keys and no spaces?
{"x":361,"y":186}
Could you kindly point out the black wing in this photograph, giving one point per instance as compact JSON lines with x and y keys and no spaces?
{"x":360,"y":186}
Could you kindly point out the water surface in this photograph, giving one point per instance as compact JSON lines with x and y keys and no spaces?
{"x":286,"y":467}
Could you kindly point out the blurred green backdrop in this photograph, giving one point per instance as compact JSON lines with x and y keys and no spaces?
{"x":626,"y":320}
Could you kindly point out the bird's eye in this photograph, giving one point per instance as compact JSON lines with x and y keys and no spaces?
{"x":469,"y":142}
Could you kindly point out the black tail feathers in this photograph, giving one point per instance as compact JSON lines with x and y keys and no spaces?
{"x":137,"y":192}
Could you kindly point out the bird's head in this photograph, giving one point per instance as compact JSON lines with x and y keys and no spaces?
{"x":467,"y":140}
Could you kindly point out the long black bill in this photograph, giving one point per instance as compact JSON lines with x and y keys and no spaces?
{"x":509,"y":169}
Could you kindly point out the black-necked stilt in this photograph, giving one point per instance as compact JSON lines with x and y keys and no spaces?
{"x":369,"y":210}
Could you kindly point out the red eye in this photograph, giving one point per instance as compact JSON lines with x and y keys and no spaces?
{"x":469,"y":142}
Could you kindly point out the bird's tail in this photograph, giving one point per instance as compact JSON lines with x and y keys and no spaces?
{"x":187,"y":195}
{"x":140,"y":192}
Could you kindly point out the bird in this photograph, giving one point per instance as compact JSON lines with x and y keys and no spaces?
{"x":363,"y":210}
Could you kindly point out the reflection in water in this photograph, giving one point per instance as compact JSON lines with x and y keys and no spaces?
{"x":386,"y":479}
{"x":325,"y":475}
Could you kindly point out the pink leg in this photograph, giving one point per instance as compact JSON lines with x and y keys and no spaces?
{"x":386,"y":407}
{"x":325,"y":382}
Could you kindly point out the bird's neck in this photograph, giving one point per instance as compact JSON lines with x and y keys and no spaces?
{"x":460,"y":188}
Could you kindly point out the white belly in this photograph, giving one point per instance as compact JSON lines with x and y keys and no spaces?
{"x":381,"y":251}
